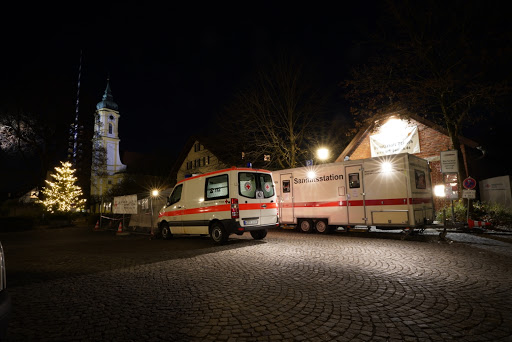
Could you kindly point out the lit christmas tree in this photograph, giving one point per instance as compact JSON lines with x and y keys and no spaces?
{"x":63,"y":195}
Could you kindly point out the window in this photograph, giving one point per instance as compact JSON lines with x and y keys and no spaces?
{"x":109,"y":128}
{"x":353,"y":180}
{"x":419,"y":177}
{"x":216,"y":187}
{"x":286,"y":186}
{"x":252,"y":184}
{"x":176,"y":195}
{"x":197,"y":147}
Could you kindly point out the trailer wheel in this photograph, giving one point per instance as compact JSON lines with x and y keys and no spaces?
{"x":259,"y":234}
{"x":218,"y":233}
{"x":165,"y":231}
{"x":321,"y":226}
{"x":306,"y":226}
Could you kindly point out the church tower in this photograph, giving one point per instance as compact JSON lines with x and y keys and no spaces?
{"x":107,"y":167}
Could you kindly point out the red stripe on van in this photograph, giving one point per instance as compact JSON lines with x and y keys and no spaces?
{"x":356,"y":203}
{"x":257,"y":206}
{"x":217,"y":208}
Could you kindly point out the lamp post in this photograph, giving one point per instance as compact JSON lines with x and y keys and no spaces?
{"x":154,"y":193}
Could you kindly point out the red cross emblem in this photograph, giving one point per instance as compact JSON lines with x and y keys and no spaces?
{"x":248,"y":186}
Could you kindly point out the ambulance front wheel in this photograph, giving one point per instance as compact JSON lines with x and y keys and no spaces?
{"x":306,"y":226}
{"x":165,"y":231}
{"x":259,"y":234}
{"x":218,"y":233}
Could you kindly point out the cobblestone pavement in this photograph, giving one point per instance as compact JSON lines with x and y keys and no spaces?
{"x":290,"y":286}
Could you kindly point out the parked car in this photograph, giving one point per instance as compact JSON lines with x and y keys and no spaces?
{"x":220,"y":203}
{"x":5,"y":299}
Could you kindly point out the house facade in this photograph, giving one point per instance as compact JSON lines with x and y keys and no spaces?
{"x":196,"y":158}
{"x":390,"y":135}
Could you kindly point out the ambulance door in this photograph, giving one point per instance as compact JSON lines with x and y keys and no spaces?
{"x":256,"y":199}
{"x":174,"y":210}
{"x":286,"y":199}
{"x":355,"y":195}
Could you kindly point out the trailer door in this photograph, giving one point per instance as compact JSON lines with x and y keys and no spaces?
{"x":355,"y":195}
{"x":286,"y":200}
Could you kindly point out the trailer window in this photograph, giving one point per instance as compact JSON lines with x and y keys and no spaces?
{"x":286,"y":186}
{"x":353,"y":180}
{"x":216,"y":187}
{"x":419,"y":177}
{"x":249,"y":184}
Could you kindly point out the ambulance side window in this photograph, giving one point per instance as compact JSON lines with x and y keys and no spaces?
{"x":176,"y":194}
{"x":353,"y":180}
{"x":216,"y":187}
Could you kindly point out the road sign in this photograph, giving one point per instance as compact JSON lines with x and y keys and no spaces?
{"x":469,"y":194}
{"x":469,"y":183}
{"x":449,"y":161}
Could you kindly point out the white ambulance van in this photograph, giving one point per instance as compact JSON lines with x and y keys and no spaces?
{"x":386,"y":192}
{"x":220,"y":203}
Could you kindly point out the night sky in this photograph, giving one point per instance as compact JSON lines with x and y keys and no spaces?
{"x":171,"y":68}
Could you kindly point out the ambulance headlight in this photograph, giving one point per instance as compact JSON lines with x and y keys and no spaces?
{"x":311,"y":174}
{"x":386,"y":167}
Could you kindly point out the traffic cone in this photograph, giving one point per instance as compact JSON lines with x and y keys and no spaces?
{"x":472,"y":223}
{"x":120,"y":230}
{"x":97,"y":226}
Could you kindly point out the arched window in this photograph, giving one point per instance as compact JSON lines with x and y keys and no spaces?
{"x":109,"y":128}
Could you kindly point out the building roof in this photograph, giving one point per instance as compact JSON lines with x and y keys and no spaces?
{"x":107,"y":100}
{"x":364,"y":131}
{"x":205,"y":141}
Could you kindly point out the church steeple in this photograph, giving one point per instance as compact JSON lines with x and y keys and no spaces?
{"x":107,"y":100}
{"x":106,"y":139}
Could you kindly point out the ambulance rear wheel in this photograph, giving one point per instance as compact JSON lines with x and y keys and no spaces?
{"x":218,"y":233}
{"x":165,"y":231}
{"x":321,"y":227}
{"x":306,"y":226}
{"x":259,"y":234}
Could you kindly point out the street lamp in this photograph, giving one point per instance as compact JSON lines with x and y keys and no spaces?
{"x":322,"y":153}
{"x":154,"y":193}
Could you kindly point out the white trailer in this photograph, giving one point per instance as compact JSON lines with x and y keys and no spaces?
{"x":386,"y":192}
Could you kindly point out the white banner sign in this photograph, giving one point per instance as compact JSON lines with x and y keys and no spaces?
{"x":449,"y":161}
{"x":403,"y":141}
{"x":125,"y":205}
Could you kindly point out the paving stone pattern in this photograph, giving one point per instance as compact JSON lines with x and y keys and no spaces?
{"x":289,"y":287}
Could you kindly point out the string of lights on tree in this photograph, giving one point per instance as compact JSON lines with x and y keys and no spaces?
{"x":63,"y":195}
